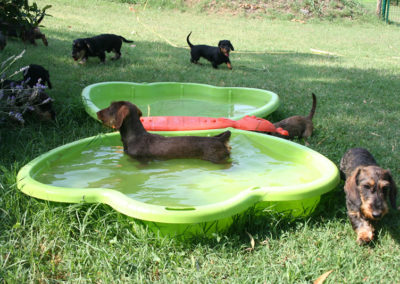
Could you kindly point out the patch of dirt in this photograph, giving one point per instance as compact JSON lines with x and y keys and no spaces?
{"x":291,"y":9}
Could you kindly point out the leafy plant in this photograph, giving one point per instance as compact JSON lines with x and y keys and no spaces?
{"x":20,"y":14}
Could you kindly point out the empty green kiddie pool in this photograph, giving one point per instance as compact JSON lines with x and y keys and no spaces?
{"x":183,"y":197}
{"x":182,"y":99}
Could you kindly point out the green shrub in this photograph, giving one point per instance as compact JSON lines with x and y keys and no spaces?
{"x":20,"y":14}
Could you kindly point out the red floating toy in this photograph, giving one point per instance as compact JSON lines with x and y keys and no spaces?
{"x":176,"y":123}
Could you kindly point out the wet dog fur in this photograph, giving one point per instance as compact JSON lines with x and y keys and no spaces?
{"x":144,"y":146}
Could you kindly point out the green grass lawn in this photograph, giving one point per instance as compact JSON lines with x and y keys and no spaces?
{"x":358,"y":105}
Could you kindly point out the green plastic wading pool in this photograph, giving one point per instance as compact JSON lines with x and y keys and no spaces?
{"x":181,"y":197}
{"x":182,"y":99}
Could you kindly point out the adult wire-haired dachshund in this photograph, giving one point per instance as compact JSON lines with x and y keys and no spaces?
{"x":144,"y":146}
{"x":82,"y":48}
{"x":367,"y":188}
{"x":216,"y":55}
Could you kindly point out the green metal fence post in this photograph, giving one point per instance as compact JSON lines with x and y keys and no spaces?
{"x":383,"y":9}
{"x":387,"y":11}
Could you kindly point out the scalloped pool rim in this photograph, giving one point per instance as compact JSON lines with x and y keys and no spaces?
{"x":179,"y":215}
{"x":263,"y":111}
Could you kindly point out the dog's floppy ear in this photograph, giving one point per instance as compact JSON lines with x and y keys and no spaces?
{"x":219,"y":43}
{"x":230,"y":44}
{"x":122,"y":112}
{"x":392,"y":190}
{"x":351,"y":188}
{"x":139,"y":112}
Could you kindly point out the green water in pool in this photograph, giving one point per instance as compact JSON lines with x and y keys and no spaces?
{"x":190,"y":107}
{"x":177,"y":182}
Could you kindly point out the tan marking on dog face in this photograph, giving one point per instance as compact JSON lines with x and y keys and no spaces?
{"x":366,"y":209}
{"x":372,"y":195}
{"x":225,"y":51}
{"x":371,"y":182}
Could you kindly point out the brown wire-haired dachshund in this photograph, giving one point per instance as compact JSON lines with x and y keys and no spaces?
{"x":216,"y":55}
{"x":144,"y":146}
{"x":298,"y":126}
{"x":367,"y":188}
{"x":26,"y":33}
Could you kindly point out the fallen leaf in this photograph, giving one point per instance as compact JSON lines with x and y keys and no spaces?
{"x":323,"y":277}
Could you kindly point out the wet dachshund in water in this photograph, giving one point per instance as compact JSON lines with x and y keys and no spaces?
{"x":82,"y":48}
{"x":367,"y":188}
{"x":144,"y":146}
{"x":216,"y":55}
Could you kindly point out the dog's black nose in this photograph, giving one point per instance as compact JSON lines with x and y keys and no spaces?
{"x":376,"y":215}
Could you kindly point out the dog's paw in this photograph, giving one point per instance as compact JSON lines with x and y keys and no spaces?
{"x":364,"y":236}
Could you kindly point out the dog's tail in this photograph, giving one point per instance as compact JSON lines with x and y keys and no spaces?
{"x":125,"y":40}
{"x":187,"y":39}
{"x":314,"y":106}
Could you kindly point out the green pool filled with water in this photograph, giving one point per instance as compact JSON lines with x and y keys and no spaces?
{"x":182,"y":99}
{"x":178,"y":182}
{"x":262,"y":170}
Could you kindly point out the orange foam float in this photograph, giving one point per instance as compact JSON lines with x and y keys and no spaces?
{"x":182,"y":123}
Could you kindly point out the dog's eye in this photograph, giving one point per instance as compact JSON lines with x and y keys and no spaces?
{"x":367,"y":187}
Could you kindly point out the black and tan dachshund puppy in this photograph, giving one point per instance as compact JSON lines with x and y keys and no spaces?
{"x":216,"y":55}
{"x":298,"y":126}
{"x":144,"y":146}
{"x":32,"y":75}
{"x":367,"y":188}
{"x":37,"y":73}
{"x":82,"y":48}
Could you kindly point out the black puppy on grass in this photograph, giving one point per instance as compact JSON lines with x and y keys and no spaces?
{"x":216,"y":55}
{"x":82,"y":48}
{"x":33,"y":75}
{"x":37,"y":74}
